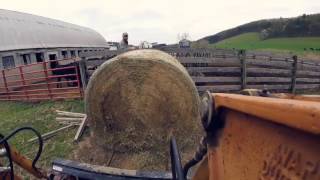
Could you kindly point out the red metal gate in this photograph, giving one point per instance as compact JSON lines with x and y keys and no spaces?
{"x":41,"y":81}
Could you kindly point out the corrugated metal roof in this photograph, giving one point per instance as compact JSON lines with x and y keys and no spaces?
{"x":25,"y":31}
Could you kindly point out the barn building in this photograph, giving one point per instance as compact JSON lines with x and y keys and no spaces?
{"x":26,"y":39}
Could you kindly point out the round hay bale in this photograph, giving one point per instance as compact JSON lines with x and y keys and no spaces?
{"x":135,"y":102}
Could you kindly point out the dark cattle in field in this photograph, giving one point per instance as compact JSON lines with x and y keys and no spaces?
{"x":71,"y":71}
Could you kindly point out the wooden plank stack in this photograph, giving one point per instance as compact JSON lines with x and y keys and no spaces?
{"x":66,"y":118}
{"x":69,"y":120}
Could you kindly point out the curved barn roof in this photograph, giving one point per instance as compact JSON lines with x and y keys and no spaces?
{"x":25,"y":31}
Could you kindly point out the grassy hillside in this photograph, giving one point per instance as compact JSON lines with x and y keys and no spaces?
{"x":41,"y":116}
{"x":301,"y":26}
{"x":251,"y":41}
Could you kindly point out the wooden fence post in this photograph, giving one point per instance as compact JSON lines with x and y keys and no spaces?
{"x":242,"y":58}
{"x":83,"y":72}
{"x":294,"y":73}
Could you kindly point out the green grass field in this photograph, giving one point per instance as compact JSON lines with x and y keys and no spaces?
{"x":41,"y":116}
{"x":251,"y":41}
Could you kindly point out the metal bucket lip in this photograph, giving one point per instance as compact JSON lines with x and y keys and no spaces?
{"x":61,"y":165}
{"x":298,"y":114}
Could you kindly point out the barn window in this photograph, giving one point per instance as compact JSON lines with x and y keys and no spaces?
{"x":39,"y":57}
{"x":73,"y":54}
{"x":64,"y":54}
{"x":26,"y":59}
{"x":8,"y":62}
{"x":52,"y":57}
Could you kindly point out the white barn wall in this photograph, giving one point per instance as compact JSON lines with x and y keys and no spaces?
{"x":23,"y":33}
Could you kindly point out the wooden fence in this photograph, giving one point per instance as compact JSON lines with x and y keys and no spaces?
{"x":220,"y":70}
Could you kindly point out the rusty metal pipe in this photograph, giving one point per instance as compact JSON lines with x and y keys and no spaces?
{"x":25,"y":163}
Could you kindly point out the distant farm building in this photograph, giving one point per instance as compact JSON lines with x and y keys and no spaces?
{"x":184,"y":43}
{"x":26,"y":39}
{"x":145,"y":45}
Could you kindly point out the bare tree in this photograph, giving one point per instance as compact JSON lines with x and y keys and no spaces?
{"x":183,"y":36}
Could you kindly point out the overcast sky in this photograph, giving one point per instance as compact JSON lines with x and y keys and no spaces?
{"x":161,"y":20}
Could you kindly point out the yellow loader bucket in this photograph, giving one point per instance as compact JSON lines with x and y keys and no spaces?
{"x":260,"y":138}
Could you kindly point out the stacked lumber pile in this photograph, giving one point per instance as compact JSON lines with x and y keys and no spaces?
{"x":69,"y":120}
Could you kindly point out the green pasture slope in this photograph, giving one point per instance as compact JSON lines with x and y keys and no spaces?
{"x":41,"y":116}
{"x":251,"y":41}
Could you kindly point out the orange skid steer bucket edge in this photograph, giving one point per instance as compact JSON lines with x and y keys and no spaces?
{"x":260,"y":138}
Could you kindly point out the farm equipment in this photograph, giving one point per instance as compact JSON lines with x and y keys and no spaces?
{"x":258,"y":135}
